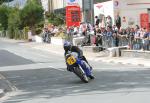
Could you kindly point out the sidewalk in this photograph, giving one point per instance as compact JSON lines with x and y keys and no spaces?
{"x":100,"y":56}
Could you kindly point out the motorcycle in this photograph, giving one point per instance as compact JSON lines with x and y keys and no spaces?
{"x":78,"y":66}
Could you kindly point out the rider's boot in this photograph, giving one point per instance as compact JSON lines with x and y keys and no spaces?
{"x":91,"y":76}
{"x":68,"y":69}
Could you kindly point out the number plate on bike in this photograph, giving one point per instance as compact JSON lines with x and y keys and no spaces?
{"x":71,"y":60}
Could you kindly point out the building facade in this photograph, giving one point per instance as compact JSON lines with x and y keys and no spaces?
{"x":130,"y":11}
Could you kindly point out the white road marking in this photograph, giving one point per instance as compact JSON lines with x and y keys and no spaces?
{"x":56,"y":68}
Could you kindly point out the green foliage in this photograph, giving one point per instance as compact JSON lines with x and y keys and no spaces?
{"x":32,"y":14}
{"x":55,"y":19}
{"x":39,"y":28}
{"x":14,"y":23}
{"x":25,"y":30}
{"x":4,"y":12}
{"x":19,"y":21}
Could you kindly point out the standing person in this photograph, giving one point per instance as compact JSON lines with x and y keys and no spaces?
{"x":128,"y":30}
{"x":97,"y":21}
{"x":122,"y":37}
{"x":131,"y":38}
{"x":147,"y":40}
{"x":109,"y":35}
{"x":108,"y":21}
{"x":104,"y":37}
{"x":44,"y":34}
{"x":98,"y":37}
{"x":29,"y":35}
{"x":142,"y":33}
{"x":83,"y":28}
{"x":118,"y":21}
{"x":115,"y":36}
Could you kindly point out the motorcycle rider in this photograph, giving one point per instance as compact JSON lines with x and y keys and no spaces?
{"x":69,"y":47}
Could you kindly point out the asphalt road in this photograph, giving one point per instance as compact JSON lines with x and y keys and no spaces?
{"x":41,"y":77}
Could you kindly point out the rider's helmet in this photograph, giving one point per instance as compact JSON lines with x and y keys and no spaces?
{"x":67,"y":45}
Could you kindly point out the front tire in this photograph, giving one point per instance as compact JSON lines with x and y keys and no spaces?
{"x":81,"y":74}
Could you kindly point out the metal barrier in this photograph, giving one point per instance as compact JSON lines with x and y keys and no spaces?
{"x":134,"y":44}
{"x":20,"y":34}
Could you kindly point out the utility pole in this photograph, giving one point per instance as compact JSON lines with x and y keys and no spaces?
{"x":50,"y":6}
{"x":88,"y":10}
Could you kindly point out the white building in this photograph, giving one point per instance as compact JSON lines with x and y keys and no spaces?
{"x":45,"y":4}
{"x":129,"y":10}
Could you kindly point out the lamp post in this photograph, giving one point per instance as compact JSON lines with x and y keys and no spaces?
{"x":88,"y":10}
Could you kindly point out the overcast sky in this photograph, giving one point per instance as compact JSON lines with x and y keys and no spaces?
{"x":20,"y":2}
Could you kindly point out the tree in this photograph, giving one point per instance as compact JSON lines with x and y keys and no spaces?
{"x":14,"y":23}
{"x":32,"y":14}
{"x":55,"y":19}
{"x":4,"y":11}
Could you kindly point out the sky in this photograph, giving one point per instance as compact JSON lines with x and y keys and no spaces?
{"x":20,"y":2}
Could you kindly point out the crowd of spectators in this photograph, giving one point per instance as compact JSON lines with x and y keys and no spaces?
{"x":111,"y":36}
{"x":134,"y":38}
{"x":52,"y":31}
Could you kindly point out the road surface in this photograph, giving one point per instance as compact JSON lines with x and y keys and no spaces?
{"x":41,"y":77}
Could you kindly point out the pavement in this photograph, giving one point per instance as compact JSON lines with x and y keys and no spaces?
{"x":99,"y":56}
{"x":58,"y":49}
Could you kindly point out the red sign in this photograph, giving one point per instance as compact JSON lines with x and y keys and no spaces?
{"x":144,"y":20}
{"x":73,"y":16}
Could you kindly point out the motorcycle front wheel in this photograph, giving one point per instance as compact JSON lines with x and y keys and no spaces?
{"x":81,"y":74}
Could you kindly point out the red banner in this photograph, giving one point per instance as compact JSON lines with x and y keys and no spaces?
{"x":144,"y":20}
{"x":73,"y":16}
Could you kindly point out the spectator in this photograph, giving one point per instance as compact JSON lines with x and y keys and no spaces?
{"x":109,"y":21}
{"x":109,"y":36}
{"x":29,"y":35}
{"x":131,"y":38}
{"x":123,"y":37}
{"x":115,"y":36}
{"x":118,"y":21}
{"x":97,"y":21}
{"x":98,"y":37}
{"x":147,"y":40}
{"x":137,"y":40}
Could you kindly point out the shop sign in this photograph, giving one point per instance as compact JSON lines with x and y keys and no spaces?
{"x":73,"y":16}
{"x":144,"y":20}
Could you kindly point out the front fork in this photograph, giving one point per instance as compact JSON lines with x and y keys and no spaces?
{"x":85,"y":67}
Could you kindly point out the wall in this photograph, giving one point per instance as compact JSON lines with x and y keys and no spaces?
{"x":105,"y":8}
{"x":57,"y":4}
{"x":131,"y":10}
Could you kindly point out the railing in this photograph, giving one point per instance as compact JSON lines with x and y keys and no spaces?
{"x":20,"y":34}
{"x":134,"y":44}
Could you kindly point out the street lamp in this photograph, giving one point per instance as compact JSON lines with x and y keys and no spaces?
{"x":88,"y":10}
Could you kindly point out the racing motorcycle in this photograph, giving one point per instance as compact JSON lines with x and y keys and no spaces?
{"x":78,"y":66}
